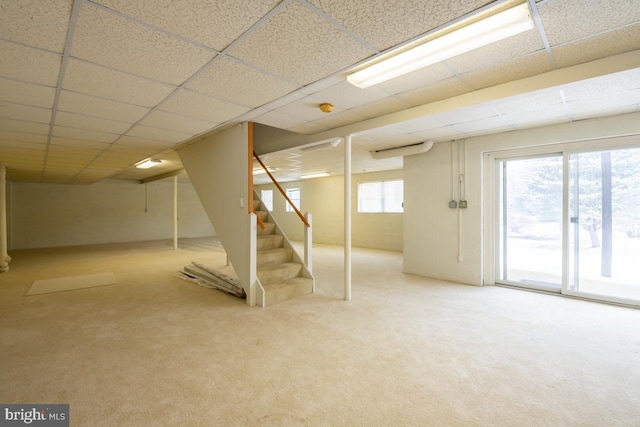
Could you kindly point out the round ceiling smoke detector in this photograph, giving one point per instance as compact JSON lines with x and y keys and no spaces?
{"x":326,"y":107}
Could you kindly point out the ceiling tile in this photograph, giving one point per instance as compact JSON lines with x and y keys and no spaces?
{"x":8,"y":137}
{"x":155,"y":134}
{"x":519,"y":68}
{"x":308,"y":128}
{"x":529,"y":102}
{"x":36,"y":23}
{"x":26,"y":113}
{"x":232,"y":81}
{"x":387,"y":23}
{"x":212,"y":23}
{"x":444,"y":133}
{"x":617,"y":83}
{"x":499,"y":52}
{"x":444,"y":89}
{"x":164,"y":120}
{"x":26,"y":93}
{"x":12,"y":125}
{"x":189,"y":103}
{"x":417,"y":79}
{"x":299,"y":45}
{"x":29,"y":65}
{"x":66,"y":142}
{"x":115,"y":42}
{"x":74,"y":102}
{"x":346,"y":96}
{"x":568,"y":20}
{"x":466,"y":115}
{"x":381,"y":107}
{"x":102,"y":82}
{"x":277,"y":119}
{"x":419,"y":125}
{"x":338,"y":119}
{"x":615,"y":103}
{"x":596,"y":47}
{"x":82,"y":134}
{"x":543,"y":115}
{"x":90,"y":123}
{"x":590,"y":112}
{"x":471,"y":127}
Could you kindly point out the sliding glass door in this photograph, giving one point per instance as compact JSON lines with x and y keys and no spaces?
{"x":570,"y":223}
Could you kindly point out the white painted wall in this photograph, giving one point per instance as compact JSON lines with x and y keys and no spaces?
{"x":218,"y":168}
{"x":431,"y":228}
{"x":324,"y":199}
{"x":54,"y":215}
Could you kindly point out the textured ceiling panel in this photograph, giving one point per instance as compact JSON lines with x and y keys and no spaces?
{"x":568,"y":20}
{"x":99,"y":107}
{"x":117,"y":43}
{"x":417,"y":79}
{"x":520,"y":68}
{"x":188,"y":103}
{"x":618,"y":83}
{"x":155,"y":134}
{"x":90,"y":123}
{"x":596,"y":47}
{"x":102,"y":82}
{"x":36,"y":23}
{"x":386,"y":23}
{"x":26,"y":113}
{"x":545,"y":114}
{"x":213,"y":23}
{"x":380,"y":108}
{"x":67,"y":142}
{"x":280,"y":120}
{"x":86,"y":135}
{"x":8,"y":138}
{"x":346,"y":96}
{"x":444,"y":89}
{"x":12,"y":125}
{"x":232,"y":81}
{"x":627,"y":103}
{"x":499,"y":52}
{"x":474,"y":126}
{"x":164,"y":120}
{"x":29,"y":65}
{"x":530,"y":102}
{"x":26,"y":94}
{"x":299,"y":45}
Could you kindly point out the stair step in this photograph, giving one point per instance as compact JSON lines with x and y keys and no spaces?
{"x":263,"y":215}
{"x":270,"y":241}
{"x":288,"y":289}
{"x":270,"y":229}
{"x":269,"y":274}
{"x":274,"y":256}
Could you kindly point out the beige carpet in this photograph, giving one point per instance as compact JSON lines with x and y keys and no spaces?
{"x":407,"y":351}
{"x":71,"y":283}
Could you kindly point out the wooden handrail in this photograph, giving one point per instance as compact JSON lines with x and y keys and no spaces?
{"x":260,"y":222}
{"x":302,"y":218}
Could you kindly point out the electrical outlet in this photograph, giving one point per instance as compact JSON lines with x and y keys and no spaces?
{"x":453,"y":204}
{"x":463,"y":204}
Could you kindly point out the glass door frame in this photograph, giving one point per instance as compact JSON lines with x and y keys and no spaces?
{"x":491,"y":206}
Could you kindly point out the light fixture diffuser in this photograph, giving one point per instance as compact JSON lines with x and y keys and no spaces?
{"x":148,"y":163}
{"x":314,"y":175}
{"x":480,"y":33}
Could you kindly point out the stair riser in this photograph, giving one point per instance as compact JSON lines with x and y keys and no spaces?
{"x":274,"y":296}
{"x":276,"y":275}
{"x":272,"y":258}
{"x":270,"y":229}
{"x":274,"y":241}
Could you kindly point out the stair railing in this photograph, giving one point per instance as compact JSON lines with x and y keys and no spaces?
{"x":306,"y":219}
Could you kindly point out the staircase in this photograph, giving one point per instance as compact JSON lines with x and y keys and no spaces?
{"x":279,"y":268}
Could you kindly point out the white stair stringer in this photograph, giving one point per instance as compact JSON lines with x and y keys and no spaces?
{"x":280,"y":269}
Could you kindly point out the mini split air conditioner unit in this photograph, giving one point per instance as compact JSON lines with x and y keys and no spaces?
{"x":405,"y":150}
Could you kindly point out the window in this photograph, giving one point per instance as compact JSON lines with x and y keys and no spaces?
{"x":267,"y":199}
{"x":380,"y":196}
{"x":294,"y":195}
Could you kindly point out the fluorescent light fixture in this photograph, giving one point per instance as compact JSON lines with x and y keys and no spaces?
{"x":480,"y":33}
{"x":314,"y":175}
{"x":405,"y":150}
{"x":260,"y":171}
{"x":148,"y":163}
{"x":322,"y":145}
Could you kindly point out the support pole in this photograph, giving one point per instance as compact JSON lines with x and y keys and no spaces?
{"x":308,"y":243}
{"x":175,"y":213}
{"x":4,"y":256}
{"x":347,"y":218}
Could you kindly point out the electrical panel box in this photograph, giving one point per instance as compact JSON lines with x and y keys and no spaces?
{"x":453,"y":204}
{"x":463,"y":204}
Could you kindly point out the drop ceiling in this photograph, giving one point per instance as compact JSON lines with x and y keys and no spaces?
{"x":90,"y":88}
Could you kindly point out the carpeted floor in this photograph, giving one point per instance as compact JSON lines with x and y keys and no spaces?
{"x":407,"y":351}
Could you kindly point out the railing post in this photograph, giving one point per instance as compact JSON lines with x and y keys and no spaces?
{"x":308,"y":243}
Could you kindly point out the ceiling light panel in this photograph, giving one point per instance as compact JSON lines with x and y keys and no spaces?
{"x":40,"y":24}
{"x":213,"y":23}
{"x":102,"y":82}
{"x":299,"y":45}
{"x":234,"y":82}
{"x":113,"y":41}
